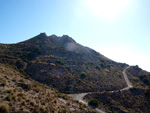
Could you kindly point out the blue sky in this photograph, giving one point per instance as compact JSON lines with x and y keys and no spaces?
{"x":118,"y":29}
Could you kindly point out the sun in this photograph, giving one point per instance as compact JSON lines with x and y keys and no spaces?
{"x":107,"y":8}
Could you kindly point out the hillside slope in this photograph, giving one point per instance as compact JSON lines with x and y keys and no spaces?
{"x":134,"y":100}
{"x":64,"y":64}
{"x":19,"y":93}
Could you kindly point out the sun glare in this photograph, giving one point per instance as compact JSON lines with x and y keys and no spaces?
{"x":107,"y":8}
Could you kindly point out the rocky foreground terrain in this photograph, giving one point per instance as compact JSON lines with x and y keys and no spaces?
{"x":20,"y":94}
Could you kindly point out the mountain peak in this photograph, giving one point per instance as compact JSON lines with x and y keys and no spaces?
{"x":43,"y":34}
{"x":61,"y":41}
{"x":66,"y":38}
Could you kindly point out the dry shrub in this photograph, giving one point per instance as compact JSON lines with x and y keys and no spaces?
{"x":4,"y":108}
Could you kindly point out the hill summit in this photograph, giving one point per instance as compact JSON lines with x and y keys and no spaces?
{"x":59,"y":46}
{"x":64,"y":64}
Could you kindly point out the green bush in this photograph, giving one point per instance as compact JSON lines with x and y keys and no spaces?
{"x":145,"y":80}
{"x":37,"y":50}
{"x":93,"y":102}
{"x":60,"y":62}
{"x":62,"y":111}
{"x":102,"y":65}
{"x":36,"y":111}
{"x":97,"y":67}
{"x":142,"y":77}
{"x":83,"y":75}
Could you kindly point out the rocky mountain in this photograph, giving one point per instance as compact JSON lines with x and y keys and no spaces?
{"x":64,"y":64}
{"x":35,"y":74}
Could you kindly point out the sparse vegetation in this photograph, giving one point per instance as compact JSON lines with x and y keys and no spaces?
{"x":134,"y":100}
{"x":139,"y":77}
{"x":24,"y":94}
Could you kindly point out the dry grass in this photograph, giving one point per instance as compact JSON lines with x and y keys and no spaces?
{"x":20,"y":94}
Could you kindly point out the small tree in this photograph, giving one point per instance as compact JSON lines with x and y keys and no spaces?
{"x":93,"y":102}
